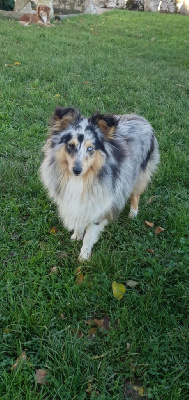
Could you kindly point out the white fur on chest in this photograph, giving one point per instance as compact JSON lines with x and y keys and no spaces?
{"x":78,"y":207}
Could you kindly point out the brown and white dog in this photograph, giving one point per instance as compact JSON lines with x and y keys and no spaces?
{"x":92,"y":166}
{"x":42,"y":16}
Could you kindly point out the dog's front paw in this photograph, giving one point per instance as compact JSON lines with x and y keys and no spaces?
{"x":84,"y":254}
{"x":77,"y":236}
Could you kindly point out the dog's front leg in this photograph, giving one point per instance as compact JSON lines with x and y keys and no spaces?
{"x":90,"y":238}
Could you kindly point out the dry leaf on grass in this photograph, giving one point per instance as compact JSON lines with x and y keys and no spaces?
{"x":139,"y":390}
{"x":96,"y":357}
{"x":79,"y":334}
{"x":80,"y":279}
{"x":13,"y":65}
{"x":151,"y":199}
{"x":62,"y":254}
{"x":128,"y":346}
{"x":150,"y":224}
{"x":54,"y":271}
{"x":90,"y":390}
{"x":103,"y":323}
{"x":20,"y":360}
{"x":53,"y":230}
{"x":134,"y":391}
{"x":159,"y":230}
{"x":41,"y":376}
{"x":118,"y":290}
{"x":92,"y":332}
{"x":151,"y":251}
{"x":132,"y":284}
{"x":77,"y":271}
{"x":96,"y":324}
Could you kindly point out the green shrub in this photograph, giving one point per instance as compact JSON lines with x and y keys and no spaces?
{"x":7,"y":5}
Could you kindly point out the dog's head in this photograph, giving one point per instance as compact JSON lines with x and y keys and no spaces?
{"x":80,"y":143}
{"x":43,"y":11}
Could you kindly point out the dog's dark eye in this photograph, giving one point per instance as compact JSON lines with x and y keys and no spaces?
{"x":71,"y":146}
{"x":90,"y":149}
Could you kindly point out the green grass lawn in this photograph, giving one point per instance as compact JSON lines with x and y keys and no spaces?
{"x":117,"y":62}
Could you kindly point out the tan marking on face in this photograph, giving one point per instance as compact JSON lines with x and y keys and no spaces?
{"x":88,"y":143}
{"x":66,"y":160}
{"x":62,"y":159}
{"x":74,"y":141}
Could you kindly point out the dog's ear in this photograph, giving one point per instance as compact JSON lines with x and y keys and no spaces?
{"x":107,"y":124}
{"x":64,"y":117}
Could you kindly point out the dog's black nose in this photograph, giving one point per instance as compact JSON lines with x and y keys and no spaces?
{"x":77,"y":170}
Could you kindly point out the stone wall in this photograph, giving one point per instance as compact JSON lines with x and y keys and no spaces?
{"x":167,"y":6}
{"x":92,"y":6}
{"x":69,"y":6}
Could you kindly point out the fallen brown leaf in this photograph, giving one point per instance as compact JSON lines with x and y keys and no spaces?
{"x":96,"y":357}
{"x":134,"y":391}
{"x":79,"y":334}
{"x":159,"y":230}
{"x":41,"y":376}
{"x":92,"y":333}
{"x":128,"y":346}
{"x":54,"y":271}
{"x":90,"y":390}
{"x":62,"y":255}
{"x":80,"y":279}
{"x":53,"y":230}
{"x":150,"y":224}
{"x":103,"y":323}
{"x":77,"y":271}
{"x":20,"y":360}
{"x":132,"y":284}
{"x":151,"y":251}
{"x":151,"y":198}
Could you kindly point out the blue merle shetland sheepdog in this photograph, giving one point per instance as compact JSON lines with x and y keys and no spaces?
{"x":92,"y":166}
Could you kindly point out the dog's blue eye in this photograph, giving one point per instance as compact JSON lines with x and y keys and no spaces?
{"x":90,"y":149}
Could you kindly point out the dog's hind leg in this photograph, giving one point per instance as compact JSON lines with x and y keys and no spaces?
{"x":141,"y":184}
{"x":91,"y":236}
{"x":134,"y":205}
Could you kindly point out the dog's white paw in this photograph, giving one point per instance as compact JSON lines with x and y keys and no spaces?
{"x":85,"y":253}
{"x":77,"y":236}
{"x":133,"y":213}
